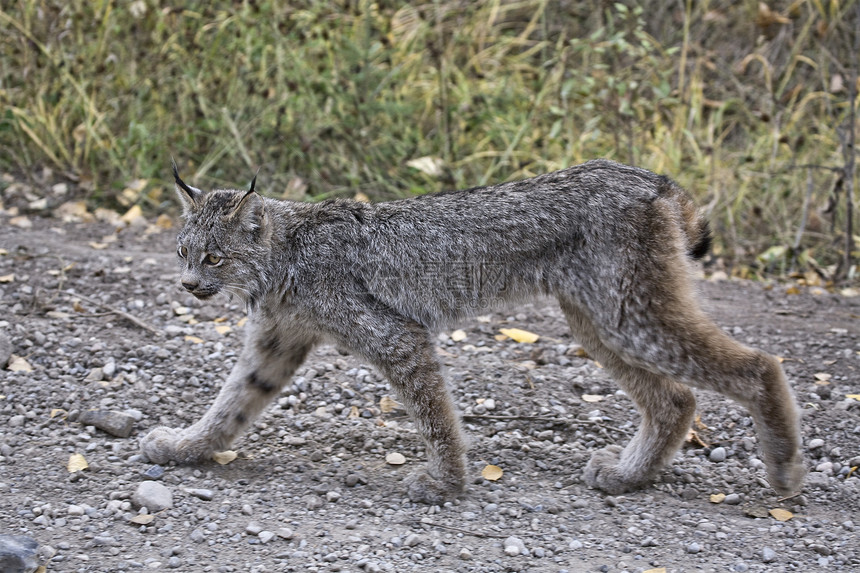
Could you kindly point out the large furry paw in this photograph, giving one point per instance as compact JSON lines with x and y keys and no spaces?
{"x":786,"y":476}
{"x":424,"y":488}
{"x":159,"y":445}
{"x":603,"y":472}
{"x":164,"y":444}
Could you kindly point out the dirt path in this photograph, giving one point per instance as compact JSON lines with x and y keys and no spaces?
{"x":310,"y":490}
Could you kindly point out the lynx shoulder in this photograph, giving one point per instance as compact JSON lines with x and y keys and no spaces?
{"x":612,"y":243}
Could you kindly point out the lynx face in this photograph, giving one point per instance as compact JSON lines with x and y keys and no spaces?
{"x":222,"y":228}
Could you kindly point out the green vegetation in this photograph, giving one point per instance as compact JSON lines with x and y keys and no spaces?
{"x":333,"y":98}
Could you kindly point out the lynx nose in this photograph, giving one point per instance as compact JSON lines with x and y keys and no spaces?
{"x":190,"y":286}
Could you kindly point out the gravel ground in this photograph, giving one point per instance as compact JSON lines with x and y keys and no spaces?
{"x":311,"y":489}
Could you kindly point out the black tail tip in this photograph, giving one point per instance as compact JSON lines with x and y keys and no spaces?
{"x":703,"y":242}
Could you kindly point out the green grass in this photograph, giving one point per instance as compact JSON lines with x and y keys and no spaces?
{"x":332,"y":98}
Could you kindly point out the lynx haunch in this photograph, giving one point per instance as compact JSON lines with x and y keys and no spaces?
{"x":613,"y":244}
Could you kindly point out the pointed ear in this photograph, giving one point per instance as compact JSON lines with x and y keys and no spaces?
{"x":250,"y":211}
{"x":189,"y":196}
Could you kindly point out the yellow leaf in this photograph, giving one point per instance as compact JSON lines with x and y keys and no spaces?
{"x":361,"y":197}
{"x":163,"y":222}
{"x":395,"y":459}
{"x":57,"y":412}
{"x":717,"y":497}
{"x":220,"y":319}
{"x":500,"y":337}
{"x":781,"y":514}
{"x":193,"y":339}
{"x":222,"y":329}
{"x":655,"y":570}
{"x":580,"y":352}
{"x":353,"y":412}
{"x":77,"y":462}
{"x":7,"y":278}
{"x":18,"y":364}
{"x":458,"y":335}
{"x":792,"y":290}
{"x":144,"y":519}
{"x":520,"y":335}
{"x":387,"y":404}
{"x":853,"y":397}
{"x":132,"y":215}
{"x":225,"y":457}
{"x":491,"y":472}
{"x":242,"y":321}
{"x":591,"y":398}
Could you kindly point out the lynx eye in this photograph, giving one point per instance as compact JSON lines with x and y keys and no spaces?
{"x":212,"y":259}
{"x":182,"y":251}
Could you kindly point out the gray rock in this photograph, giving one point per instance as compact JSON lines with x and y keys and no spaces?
{"x":18,"y":554}
{"x":153,"y":496}
{"x":5,"y":350}
{"x":154,"y":472}
{"x":768,"y":555}
{"x":265,"y":536}
{"x":204,"y":494}
{"x":718,"y":454}
{"x":514,"y":546}
{"x":114,"y":423}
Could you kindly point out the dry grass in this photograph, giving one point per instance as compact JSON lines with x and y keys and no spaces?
{"x":338,"y":97}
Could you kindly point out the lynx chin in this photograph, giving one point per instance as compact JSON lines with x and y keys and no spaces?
{"x":613,"y":244}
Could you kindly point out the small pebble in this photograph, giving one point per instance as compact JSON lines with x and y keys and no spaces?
{"x":718,"y":455}
{"x":514,"y":546}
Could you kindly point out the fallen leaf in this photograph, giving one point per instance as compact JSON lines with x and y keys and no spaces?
{"x":458,"y":335}
{"x":694,"y":438}
{"x":717,"y":497}
{"x":361,"y":197}
{"x":97,"y":246}
{"x":242,"y":321}
{"x":591,"y":398}
{"x":133,"y":215}
{"x":18,"y":364}
{"x":193,"y":339}
{"x":387,"y":404}
{"x":520,"y":335}
{"x":353,"y":412}
{"x":853,"y":397}
{"x":432,"y":166}
{"x":580,"y":352}
{"x":792,"y":290}
{"x":655,"y":570}
{"x":163,"y":222}
{"x":77,"y":463}
{"x":144,"y":519}
{"x":781,"y":514}
{"x":822,"y":377}
{"x":222,"y":328}
{"x":224,"y":457}
{"x":500,"y":337}
{"x":77,"y":306}
{"x":7,"y":278}
{"x":491,"y":472}
{"x":57,"y":411}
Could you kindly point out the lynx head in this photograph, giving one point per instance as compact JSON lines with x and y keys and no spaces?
{"x":225,"y":233}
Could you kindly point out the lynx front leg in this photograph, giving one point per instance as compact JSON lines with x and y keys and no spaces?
{"x":403,"y":350}
{"x":265,"y":365}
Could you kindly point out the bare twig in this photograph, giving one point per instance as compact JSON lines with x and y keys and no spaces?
{"x":133,"y":319}
{"x":546,"y":419}
{"x":471,"y":532}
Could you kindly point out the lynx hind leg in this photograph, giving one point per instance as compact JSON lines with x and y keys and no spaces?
{"x":667,"y":409}
{"x":265,"y":365}
{"x":671,"y":337}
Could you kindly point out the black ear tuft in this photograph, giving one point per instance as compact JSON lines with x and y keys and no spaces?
{"x":254,"y":181}
{"x":187,"y":194}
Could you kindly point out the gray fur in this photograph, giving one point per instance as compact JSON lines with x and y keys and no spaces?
{"x":612,"y":243}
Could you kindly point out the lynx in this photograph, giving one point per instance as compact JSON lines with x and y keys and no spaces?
{"x":613,"y":244}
